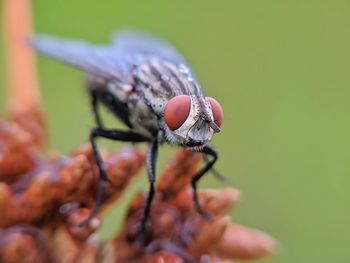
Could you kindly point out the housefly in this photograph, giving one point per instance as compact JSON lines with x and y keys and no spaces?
{"x":150,"y":87}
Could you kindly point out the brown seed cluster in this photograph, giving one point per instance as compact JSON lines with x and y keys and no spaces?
{"x":177,"y":233}
{"x":43,"y":198}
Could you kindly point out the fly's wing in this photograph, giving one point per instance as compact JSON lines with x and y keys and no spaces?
{"x":99,"y":60}
{"x":138,"y":42}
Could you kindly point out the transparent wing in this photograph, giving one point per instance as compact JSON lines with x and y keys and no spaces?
{"x":100,"y":60}
{"x":138,"y":42}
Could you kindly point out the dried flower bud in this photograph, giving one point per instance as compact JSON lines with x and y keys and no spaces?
{"x":121,"y":167}
{"x":214,"y":259}
{"x":162,"y":257}
{"x":204,"y":235}
{"x":178,"y":173}
{"x":5,"y":203}
{"x":17,"y":243}
{"x":75,"y":217}
{"x":217,"y":201}
{"x":89,"y":253}
{"x":65,"y":247}
{"x":32,"y":121}
{"x":17,"y":155}
{"x":243,"y":243}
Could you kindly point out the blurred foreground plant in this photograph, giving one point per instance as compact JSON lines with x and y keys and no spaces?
{"x":44,"y":197}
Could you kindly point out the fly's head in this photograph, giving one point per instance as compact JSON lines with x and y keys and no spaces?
{"x":191,"y":121}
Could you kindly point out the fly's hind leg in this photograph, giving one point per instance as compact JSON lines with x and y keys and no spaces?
{"x":208,"y":151}
{"x":116,"y":135}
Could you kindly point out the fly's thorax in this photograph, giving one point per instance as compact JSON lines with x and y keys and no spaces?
{"x":160,"y":80}
{"x":120,"y":90}
{"x":196,"y":130}
{"x":142,"y":117}
{"x":157,"y":101}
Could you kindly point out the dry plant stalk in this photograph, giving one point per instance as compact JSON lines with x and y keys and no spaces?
{"x":43,"y":206}
{"x":44,"y":197}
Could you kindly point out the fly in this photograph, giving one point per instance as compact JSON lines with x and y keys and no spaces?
{"x":150,"y":87}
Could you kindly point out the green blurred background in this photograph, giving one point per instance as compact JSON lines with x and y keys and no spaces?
{"x":280,"y":70}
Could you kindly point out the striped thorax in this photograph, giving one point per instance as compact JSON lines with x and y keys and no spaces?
{"x":185,"y":116}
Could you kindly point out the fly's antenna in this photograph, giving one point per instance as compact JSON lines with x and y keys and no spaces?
{"x":206,"y":118}
{"x":214,"y":126}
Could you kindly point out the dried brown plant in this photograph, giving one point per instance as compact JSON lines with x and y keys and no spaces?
{"x":44,"y":197}
{"x":42,"y":207}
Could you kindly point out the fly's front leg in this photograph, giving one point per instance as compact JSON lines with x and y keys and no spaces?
{"x":126,"y":136}
{"x":151,"y":158}
{"x":207,"y":150}
{"x":215,"y":172}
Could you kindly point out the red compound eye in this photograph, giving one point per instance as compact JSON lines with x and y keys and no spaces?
{"x":217,"y":111}
{"x":176,"y":111}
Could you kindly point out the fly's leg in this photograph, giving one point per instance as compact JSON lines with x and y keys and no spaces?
{"x":151,"y":158}
{"x":94,"y":101}
{"x":207,"y":150}
{"x":116,"y":135}
{"x":215,"y":172}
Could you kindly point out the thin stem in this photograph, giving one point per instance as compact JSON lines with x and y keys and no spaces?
{"x":23,"y":93}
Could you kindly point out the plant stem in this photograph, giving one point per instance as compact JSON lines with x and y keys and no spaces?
{"x":22,"y":87}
